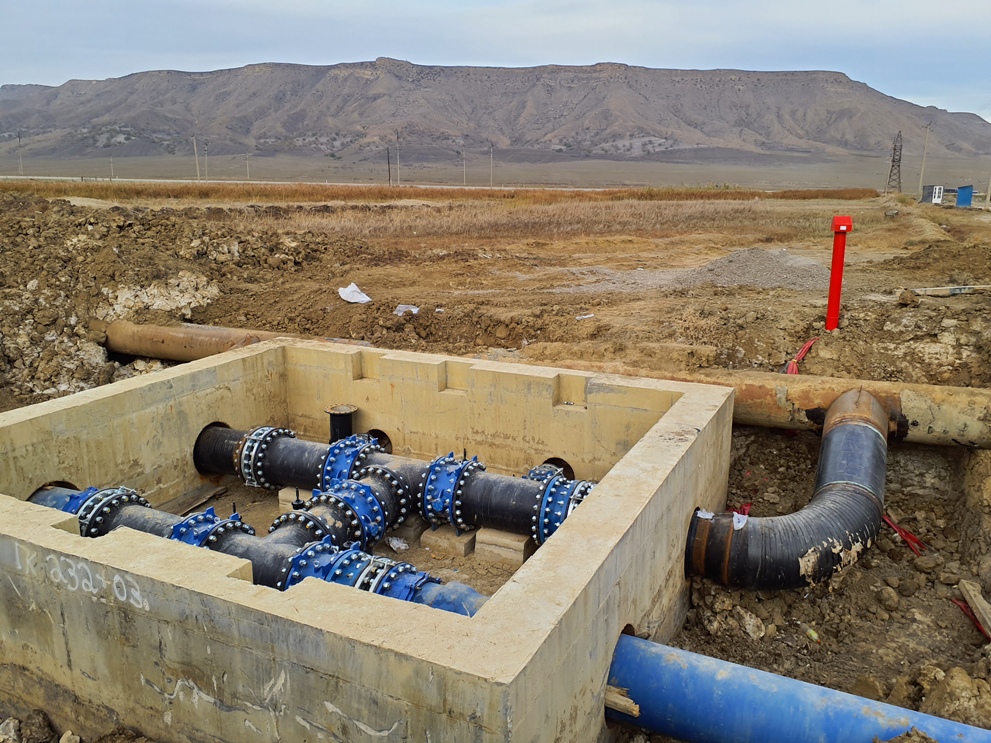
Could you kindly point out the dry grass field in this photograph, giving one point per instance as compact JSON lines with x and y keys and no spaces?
{"x":649,"y":281}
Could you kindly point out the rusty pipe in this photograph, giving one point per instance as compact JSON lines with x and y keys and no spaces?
{"x":180,"y":342}
{"x":810,"y":545}
{"x":918,"y":413}
{"x":188,"y":342}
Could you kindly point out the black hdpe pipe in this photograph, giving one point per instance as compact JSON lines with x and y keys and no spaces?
{"x":806,"y":547}
{"x":292,"y":551}
{"x":446,"y":490}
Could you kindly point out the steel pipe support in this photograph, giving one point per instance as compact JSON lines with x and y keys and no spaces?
{"x":694,"y":698}
{"x":810,"y":545}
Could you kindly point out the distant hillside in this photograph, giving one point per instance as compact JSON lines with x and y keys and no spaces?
{"x":529,"y":114}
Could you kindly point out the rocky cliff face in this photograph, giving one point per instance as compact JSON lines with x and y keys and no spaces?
{"x":603,"y":110}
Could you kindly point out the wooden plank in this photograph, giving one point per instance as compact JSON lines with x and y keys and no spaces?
{"x":981,"y":608}
{"x":619,"y":700}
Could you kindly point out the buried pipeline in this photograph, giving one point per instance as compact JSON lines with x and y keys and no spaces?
{"x":919,"y":413}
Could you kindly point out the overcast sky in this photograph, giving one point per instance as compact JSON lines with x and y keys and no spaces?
{"x":927,"y":52}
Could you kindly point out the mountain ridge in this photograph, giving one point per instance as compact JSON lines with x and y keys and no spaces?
{"x":608,"y":110}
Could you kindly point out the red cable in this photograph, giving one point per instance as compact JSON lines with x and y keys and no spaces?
{"x":792,"y":367}
{"x":914,"y":543}
{"x":969,"y":613}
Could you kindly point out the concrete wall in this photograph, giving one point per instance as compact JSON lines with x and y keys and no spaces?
{"x":183,"y":647}
{"x":138,"y":432}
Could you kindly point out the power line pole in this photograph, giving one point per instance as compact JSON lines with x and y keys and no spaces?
{"x":987,"y":196}
{"x":196,"y":156}
{"x":111,"y":167}
{"x":925,"y":148}
{"x":206,"y":159}
{"x":895,"y":174}
{"x":247,"y":168}
{"x":490,"y":165}
{"x":464,"y":165}
{"x":20,"y":162}
{"x":397,"y":157}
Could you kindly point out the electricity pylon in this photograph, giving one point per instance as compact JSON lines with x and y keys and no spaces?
{"x":895,"y":174}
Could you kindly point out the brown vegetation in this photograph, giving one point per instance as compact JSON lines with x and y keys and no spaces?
{"x":302,"y":193}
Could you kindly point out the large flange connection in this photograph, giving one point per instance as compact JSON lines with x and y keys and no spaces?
{"x":345,"y":457}
{"x":96,"y":513}
{"x":206,"y":529}
{"x":301,"y":518}
{"x":355,"y":505}
{"x":352,"y":567}
{"x":249,"y":457}
{"x":77,"y":501}
{"x":559,"y":498}
{"x":384,"y":478}
{"x":442,"y":487}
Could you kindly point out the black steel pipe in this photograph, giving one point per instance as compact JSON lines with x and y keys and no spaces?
{"x":341,"y":421}
{"x":290,"y":553}
{"x":275,"y":458}
{"x":806,"y":547}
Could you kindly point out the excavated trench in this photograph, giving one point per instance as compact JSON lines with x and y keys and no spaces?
{"x":886,"y":629}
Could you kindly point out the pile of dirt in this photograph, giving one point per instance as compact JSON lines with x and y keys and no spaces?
{"x":760,"y":268}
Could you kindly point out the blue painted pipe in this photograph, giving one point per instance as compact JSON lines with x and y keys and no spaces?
{"x":456,"y":598}
{"x":698,"y":699}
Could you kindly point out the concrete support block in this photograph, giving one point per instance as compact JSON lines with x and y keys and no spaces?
{"x":502,"y":547}
{"x":446,"y":543}
{"x":411,"y":530}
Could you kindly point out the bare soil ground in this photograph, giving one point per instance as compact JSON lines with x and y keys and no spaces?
{"x":658,"y":287}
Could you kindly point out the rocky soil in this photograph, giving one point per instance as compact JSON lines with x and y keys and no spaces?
{"x":886,"y":628}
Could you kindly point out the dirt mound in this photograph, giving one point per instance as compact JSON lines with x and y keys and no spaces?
{"x":760,"y":268}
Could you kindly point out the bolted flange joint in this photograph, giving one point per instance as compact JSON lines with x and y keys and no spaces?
{"x":346,"y":456}
{"x":222,"y":529}
{"x":250,"y":455}
{"x":96,"y":513}
{"x":441,"y":490}
{"x":384,"y":478}
{"x":559,"y":498}
{"x":305,"y":519}
{"x":360,"y":507}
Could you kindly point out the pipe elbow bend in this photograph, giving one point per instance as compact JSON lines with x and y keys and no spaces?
{"x":808,"y":546}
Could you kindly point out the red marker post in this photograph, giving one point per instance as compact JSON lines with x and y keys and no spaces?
{"x":841,"y":226}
